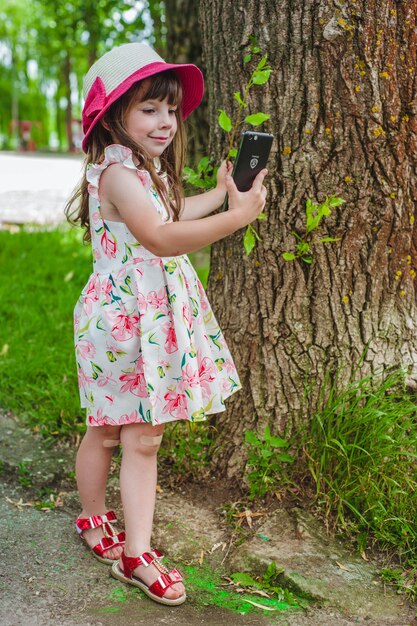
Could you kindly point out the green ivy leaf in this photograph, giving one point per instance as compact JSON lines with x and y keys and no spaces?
{"x":335,"y":201}
{"x":251,"y":438}
{"x":247,"y":58}
{"x":224,"y":121}
{"x":232,"y":152}
{"x":249,"y":241}
{"x":288,"y":256}
{"x":260,"y":77}
{"x":244,"y":579}
{"x":237,"y":96}
{"x":329,"y":239}
{"x":262,"y":62}
{"x":255,"y":50}
{"x":256,"y":119}
{"x":203,"y":163}
{"x":307,"y":259}
{"x":261,"y":217}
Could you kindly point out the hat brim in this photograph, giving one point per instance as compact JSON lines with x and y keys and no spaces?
{"x":192,"y":84}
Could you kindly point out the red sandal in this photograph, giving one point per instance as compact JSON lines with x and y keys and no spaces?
{"x":111,"y":538}
{"x":162,"y":583}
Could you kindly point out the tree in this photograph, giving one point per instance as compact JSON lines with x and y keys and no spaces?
{"x":182,"y":44}
{"x":343,"y":104}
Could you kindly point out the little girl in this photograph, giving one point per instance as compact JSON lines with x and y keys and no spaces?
{"x":148,"y":347}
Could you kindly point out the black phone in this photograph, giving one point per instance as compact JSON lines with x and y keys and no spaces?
{"x":251,"y":158}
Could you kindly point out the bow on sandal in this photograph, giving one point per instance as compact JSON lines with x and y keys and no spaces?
{"x":157,"y":589}
{"x":111,"y":538}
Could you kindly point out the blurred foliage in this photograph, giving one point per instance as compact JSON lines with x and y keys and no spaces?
{"x":45,"y":49}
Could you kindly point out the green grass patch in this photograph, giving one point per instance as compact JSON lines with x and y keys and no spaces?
{"x":361,"y":454}
{"x":43,"y":274}
{"x":206,"y":588}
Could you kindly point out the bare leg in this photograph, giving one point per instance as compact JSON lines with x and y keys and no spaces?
{"x":92,"y":469}
{"x":138,"y":490}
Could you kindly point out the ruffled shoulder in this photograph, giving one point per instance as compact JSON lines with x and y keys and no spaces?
{"x":114,"y":154}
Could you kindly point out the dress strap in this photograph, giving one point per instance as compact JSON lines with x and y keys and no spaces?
{"x":114,"y":154}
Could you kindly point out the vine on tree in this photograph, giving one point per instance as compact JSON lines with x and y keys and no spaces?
{"x":314,"y":215}
{"x":204,"y":176}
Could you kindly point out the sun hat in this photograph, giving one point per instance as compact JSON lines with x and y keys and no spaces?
{"x":117,"y":70}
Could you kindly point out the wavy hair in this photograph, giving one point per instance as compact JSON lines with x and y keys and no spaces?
{"x":165,"y":85}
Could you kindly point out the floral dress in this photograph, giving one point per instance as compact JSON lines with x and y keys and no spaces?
{"x":148,"y":347}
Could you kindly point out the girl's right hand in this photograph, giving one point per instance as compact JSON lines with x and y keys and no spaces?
{"x":247,"y":204}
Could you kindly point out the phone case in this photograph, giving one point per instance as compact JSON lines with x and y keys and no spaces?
{"x":251,"y":158}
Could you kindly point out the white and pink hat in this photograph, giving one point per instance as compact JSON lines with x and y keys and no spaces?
{"x":117,"y":70}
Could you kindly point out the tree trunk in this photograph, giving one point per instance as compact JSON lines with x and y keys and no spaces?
{"x":183,"y":45}
{"x":343,"y":102}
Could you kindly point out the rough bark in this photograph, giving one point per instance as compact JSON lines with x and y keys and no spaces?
{"x":343,"y":104}
{"x":183,"y":45}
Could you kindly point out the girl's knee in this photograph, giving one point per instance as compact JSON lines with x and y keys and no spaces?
{"x":142,"y":438}
{"x":108,"y":435}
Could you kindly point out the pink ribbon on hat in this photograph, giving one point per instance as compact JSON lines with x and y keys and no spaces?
{"x":95,"y":102}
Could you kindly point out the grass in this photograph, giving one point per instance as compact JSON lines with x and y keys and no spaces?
{"x":361,"y":454}
{"x":43,"y":274}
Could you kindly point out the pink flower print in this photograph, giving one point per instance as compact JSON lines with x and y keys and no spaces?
{"x":190,"y":378}
{"x":186,"y":314}
{"x":171,"y":344}
{"x":83,"y":379}
{"x":103,"y":420}
{"x":109,"y":245}
{"x":203,"y":297}
{"x":96,"y":254}
{"x":130,"y":419}
{"x":135,"y":382}
{"x":125,"y":326}
{"x":93,"y":293}
{"x":142,"y":303}
{"x":225,"y":385}
{"x":106,"y":288}
{"x":229,"y":366}
{"x":176,"y":405}
{"x":86,"y":349}
{"x":144,"y":178}
{"x":95,"y":217}
{"x":159,"y":300}
{"x":207,"y":373}
{"x":104,"y":378}
{"x":76,"y":322}
{"x":110,"y":399}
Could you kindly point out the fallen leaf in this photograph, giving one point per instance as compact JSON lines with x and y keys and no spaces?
{"x":19,"y":503}
{"x":248,"y":515}
{"x":201,"y":559}
{"x":343,"y":567}
{"x":159,"y":489}
{"x":259,"y":606}
{"x":216,"y":546}
{"x":363,"y":555}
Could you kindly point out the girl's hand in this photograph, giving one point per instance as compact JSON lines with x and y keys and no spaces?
{"x":247,"y":204}
{"x":224,"y":169}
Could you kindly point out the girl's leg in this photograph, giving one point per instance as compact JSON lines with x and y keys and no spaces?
{"x":92,"y":469}
{"x":138,"y":490}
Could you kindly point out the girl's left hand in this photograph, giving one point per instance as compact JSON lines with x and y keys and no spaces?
{"x":224,"y":169}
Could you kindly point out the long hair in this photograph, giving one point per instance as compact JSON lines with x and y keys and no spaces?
{"x":164,"y":85}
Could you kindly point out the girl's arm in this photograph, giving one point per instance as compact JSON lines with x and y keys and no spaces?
{"x":122,"y":188}
{"x":196,"y":207}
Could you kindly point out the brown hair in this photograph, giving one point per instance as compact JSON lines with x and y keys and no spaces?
{"x":164,"y":85}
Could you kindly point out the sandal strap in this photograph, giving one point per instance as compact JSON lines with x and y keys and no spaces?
{"x":132,"y":562}
{"x":109,"y":542}
{"x":85,"y":523}
{"x":164,"y":581}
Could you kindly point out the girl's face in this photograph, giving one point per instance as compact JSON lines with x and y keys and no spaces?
{"x":151,"y":123}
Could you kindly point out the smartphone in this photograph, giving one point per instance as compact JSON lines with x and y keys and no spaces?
{"x":251,"y":158}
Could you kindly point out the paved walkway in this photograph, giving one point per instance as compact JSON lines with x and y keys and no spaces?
{"x":34,"y":188}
